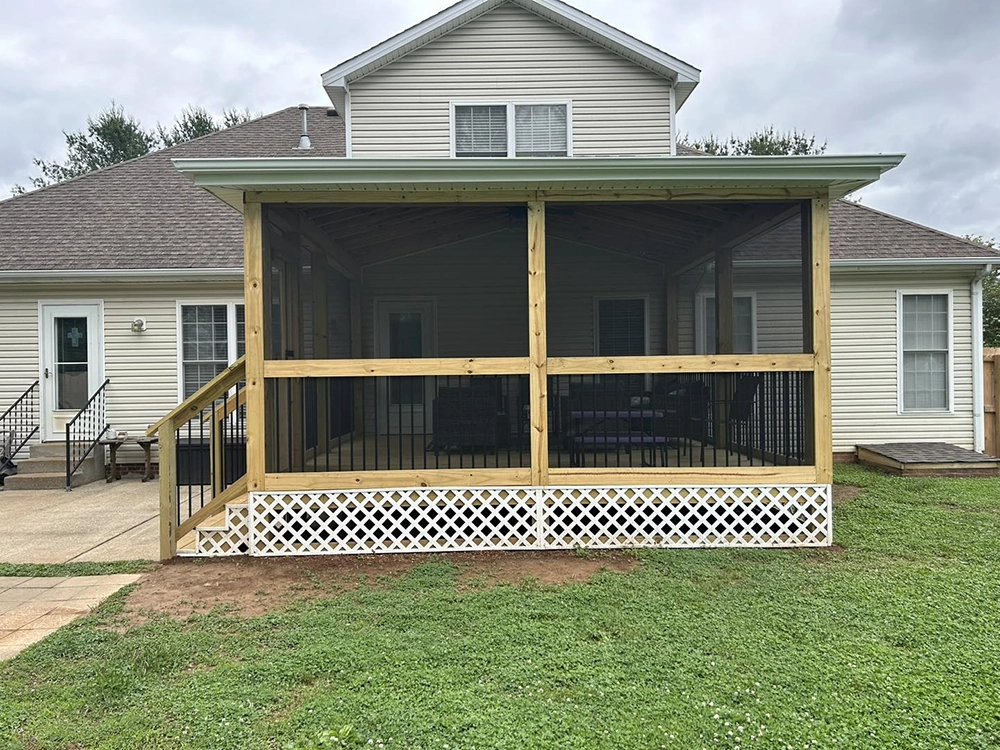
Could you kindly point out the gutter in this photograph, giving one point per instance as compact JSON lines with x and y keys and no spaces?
{"x":978,"y":396}
{"x":122,"y":274}
{"x":865,"y":264}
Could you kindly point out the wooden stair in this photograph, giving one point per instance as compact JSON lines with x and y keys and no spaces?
{"x":224,"y":534}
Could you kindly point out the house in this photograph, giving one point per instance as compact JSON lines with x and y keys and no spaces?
{"x":491,"y":305}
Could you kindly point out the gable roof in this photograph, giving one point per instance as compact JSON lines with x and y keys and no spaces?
{"x":337,"y":79}
{"x":144,"y":214}
{"x":860,"y":235}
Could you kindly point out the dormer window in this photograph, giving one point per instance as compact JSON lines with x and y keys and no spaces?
{"x":511,"y":129}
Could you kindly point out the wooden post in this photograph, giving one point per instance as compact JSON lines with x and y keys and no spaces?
{"x":724,"y":387}
{"x":996,"y":405}
{"x":357,"y":352}
{"x":168,"y":490}
{"x":254,"y":269}
{"x":321,"y":349}
{"x":822,"y":397}
{"x":808,"y":397}
{"x":538,"y":345}
{"x":672,"y":334}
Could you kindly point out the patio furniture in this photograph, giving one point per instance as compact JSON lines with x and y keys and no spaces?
{"x":146,"y":443}
{"x":468,"y":417}
{"x":617,"y":430}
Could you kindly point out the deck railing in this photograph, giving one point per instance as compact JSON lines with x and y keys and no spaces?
{"x":85,"y":430}
{"x":21,"y":420}
{"x":749,"y":418}
{"x":202,"y":455}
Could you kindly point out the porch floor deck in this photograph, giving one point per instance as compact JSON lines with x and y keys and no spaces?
{"x":416,"y":452}
{"x":928,"y":459}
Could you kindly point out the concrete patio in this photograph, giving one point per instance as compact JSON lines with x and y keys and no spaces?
{"x":96,"y":523}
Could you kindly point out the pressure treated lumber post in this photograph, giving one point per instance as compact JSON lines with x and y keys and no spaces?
{"x":253,"y":263}
{"x":822,"y":398}
{"x":672,"y":336}
{"x":538,"y":345}
{"x":321,"y":349}
{"x":723,"y":339}
{"x":168,"y":489}
{"x":996,"y":405}
{"x":808,"y":399}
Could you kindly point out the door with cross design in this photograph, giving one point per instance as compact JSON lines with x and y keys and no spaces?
{"x":71,"y":363}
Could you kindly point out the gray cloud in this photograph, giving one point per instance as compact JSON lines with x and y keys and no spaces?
{"x":914,"y":76}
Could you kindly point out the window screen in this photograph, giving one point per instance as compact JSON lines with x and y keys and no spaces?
{"x":481,"y":130}
{"x":742,"y":325}
{"x":621,"y":327}
{"x":540,"y":130}
{"x":925,"y":352}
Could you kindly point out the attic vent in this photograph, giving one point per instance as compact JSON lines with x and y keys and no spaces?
{"x":304,"y":143}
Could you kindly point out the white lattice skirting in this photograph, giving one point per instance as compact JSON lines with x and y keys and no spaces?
{"x":516,"y":518}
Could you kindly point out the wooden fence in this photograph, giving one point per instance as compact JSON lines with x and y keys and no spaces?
{"x":991,"y":400}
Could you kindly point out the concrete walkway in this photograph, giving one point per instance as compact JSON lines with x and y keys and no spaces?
{"x":32,"y":608}
{"x":95,"y":523}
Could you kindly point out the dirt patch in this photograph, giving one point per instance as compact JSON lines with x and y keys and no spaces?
{"x":251,"y":586}
{"x":844,"y":493}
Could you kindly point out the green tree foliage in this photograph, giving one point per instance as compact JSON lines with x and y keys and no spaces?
{"x":194,"y":122}
{"x":114,"y":136}
{"x":991,"y":298}
{"x":764,"y":142}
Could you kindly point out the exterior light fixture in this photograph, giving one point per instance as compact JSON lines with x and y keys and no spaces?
{"x":138,"y":325}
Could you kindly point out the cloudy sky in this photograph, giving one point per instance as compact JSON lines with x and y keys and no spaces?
{"x":914,"y":76}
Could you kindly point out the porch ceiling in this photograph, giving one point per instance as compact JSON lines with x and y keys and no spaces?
{"x":670,"y":234}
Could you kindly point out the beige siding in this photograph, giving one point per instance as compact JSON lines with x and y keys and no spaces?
{"x":865,"y":362}
{"x":619,"y":108}
{"x":142,"y":367}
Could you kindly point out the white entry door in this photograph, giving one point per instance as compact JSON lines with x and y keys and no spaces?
{"x":405,"y":330}
{"x":71,"y":363}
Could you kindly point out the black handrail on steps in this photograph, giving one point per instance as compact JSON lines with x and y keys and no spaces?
{"x":85,"y":430}
{"x":21,"y":419}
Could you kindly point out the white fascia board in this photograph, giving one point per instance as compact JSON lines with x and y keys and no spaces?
{"x":336,"y":79}
{"x":836,"y":173}
{"x":874,"y":264}
{"x":73,"y":276}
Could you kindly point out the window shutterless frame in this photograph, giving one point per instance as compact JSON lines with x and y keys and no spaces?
{"x":510,"y":104}
{"x":230,"y":305}
{"x":950,"y":380}
{"x":701,"y":326}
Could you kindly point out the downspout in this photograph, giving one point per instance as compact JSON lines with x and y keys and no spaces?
{"x":978,"y":397}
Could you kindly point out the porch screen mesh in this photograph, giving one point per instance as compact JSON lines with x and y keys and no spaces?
{"x":481,"y":130}
{"x":540,"y":130}
{"x":621,"y":327}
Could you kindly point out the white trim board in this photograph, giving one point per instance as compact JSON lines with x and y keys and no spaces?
{"x":950,"y":294}
{"x":230,"y":304}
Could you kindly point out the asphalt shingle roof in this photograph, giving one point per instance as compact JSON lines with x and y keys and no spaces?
{"x":144,"y":214}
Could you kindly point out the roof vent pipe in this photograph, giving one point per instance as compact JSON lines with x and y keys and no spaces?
{"x":304,"y":143}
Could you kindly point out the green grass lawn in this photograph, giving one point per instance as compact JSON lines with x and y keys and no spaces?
{"x":890,"y":642}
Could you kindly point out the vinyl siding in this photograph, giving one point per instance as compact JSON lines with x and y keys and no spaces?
{"x":865,"y":385}
{"x":142,"y":367}
{"x":619,"y":108}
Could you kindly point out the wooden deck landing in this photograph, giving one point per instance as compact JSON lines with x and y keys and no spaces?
{"x":928,"y":460}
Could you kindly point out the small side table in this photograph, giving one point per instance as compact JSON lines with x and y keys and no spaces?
{"x":146,"y":443}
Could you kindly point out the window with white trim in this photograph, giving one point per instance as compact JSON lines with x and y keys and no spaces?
{"x":212,"y":337}
{"x":744,"y":317}
{"x":512,"y":129}
{"x":925,"y":351}
{"x":621,"y":327}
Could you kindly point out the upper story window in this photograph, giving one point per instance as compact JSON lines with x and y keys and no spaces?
{"x":512,"y":129}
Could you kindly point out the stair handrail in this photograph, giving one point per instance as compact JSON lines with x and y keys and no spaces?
{"x":94,"y":416}
{"x":24,"y":413}
{"x":212,"y":399}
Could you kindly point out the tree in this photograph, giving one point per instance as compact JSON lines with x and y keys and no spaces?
{"x":194,"y":122}
{"x":765,"y":142}
{"x":991,"y":297}
{"x":110,"y":138}
{"x":114,"y":136}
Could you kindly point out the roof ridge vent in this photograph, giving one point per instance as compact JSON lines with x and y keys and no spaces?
{"x":304,"y":143}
